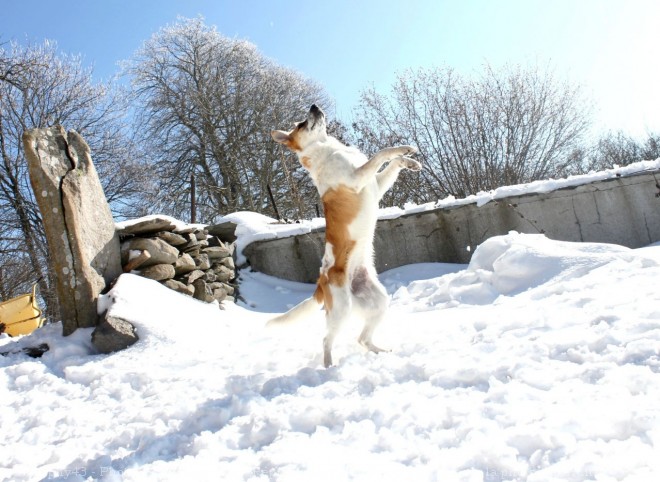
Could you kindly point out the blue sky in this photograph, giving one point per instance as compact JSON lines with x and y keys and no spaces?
{"x":610,"y":47}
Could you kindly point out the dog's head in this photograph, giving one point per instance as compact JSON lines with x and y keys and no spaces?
{"x":305,"y":132}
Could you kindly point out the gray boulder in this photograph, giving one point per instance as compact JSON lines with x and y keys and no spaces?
{"x":180,"y":287}
{"x":228,"y":288}
{"x":225,"y":231}
{"x":222,"y":273}
{"x":158,"y":272}
{"x":160,"y":251}
{"x":217,"y":252}
{"x":148,"y":226}
{"x":113,"y":334}
{"x":202,"y":262}
{"x":200,"y":234}
{"x":184,"y":264}
{"x":189,"y":278}
{"x":202,"y":291}
{"x":228,"y":262}
{"x":80,"y":231}
{"x":171,"y":238}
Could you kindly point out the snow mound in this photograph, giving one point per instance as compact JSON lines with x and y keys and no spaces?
{"x":161,"y":316}
{"x":512,"y":264}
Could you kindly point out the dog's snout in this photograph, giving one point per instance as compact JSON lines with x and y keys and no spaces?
{"x":315,"y":117}
{"x":316,"y":112}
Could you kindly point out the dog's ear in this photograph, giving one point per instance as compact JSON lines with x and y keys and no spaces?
{"x":280,"y":137}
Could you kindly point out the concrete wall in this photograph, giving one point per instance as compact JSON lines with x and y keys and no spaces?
{"x":623,"y":211}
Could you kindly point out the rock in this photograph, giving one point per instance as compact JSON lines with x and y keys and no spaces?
{"x":200,"y":234}
{"x":191,"y":246}
{"x":83,"y":244}
{"x":158,"y":272}
{"x":183,"y":230}
{"x":191,"y":240}
{"x":172,"y":239}
{"x":202,"y":291}
{"x":215,"y":241}
{"x":217,"y":252}
{"x":148,"y":226}
{"x":225,"y":231}
{"x":193,"y":251}
{"x":202,"y":261}
{"x":179,"y":287}
{"x":192,"y":276}
{"x":219,"y":294}
{"x":113,"y":334}
{"x":228,"y":288}
{"x":160,"y":251}
{"x":184,"y":264}
{"x":218,"y":291}
{"x":223,"y":273}
{"x":229,"y":263}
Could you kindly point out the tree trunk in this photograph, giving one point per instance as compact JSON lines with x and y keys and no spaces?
{"x":193,"y":200}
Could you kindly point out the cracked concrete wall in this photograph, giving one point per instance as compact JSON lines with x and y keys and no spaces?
{"x":80,"y":230}
{"x":624,"y":211}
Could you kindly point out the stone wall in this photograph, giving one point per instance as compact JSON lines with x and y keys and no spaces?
{"x":85,"y":249}
{"x":621,"y":210}
{"x":185,"y":258}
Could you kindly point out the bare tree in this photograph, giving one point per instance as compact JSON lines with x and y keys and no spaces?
{"x":620,"y":149}
{"x":505,"y":127}
{"x":40,"y":87}
{"x":207,"y":104}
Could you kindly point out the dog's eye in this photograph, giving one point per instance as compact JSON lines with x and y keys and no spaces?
{"x":302,"y":125}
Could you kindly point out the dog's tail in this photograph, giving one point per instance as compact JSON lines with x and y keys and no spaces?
{"x":297,"y":313}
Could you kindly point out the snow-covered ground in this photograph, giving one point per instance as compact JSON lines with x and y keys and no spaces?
{"x":539,"y":361}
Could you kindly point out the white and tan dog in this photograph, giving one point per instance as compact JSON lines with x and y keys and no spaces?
{"x":350,"y":187}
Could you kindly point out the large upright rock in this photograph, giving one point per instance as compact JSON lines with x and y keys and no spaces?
{"x":83,"y":244}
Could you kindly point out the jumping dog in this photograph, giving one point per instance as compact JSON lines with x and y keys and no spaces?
{"x":350,"y":186}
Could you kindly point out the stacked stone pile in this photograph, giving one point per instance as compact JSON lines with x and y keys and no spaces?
{"x":185,"y":258}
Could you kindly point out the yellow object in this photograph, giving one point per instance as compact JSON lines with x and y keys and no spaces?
{"x":21,"y":315}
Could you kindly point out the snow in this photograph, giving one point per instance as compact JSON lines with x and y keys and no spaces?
{"x":540,"y":360}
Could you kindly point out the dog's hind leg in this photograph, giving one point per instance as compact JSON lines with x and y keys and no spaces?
{"x":371,"y":300}
{"x":335,"y":317}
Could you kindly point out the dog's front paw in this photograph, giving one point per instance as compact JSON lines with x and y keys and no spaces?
{"x":411,"y":164}
{"x":407,"y":150}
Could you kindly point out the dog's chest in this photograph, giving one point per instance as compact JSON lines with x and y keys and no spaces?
{"x":332,"y":169}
